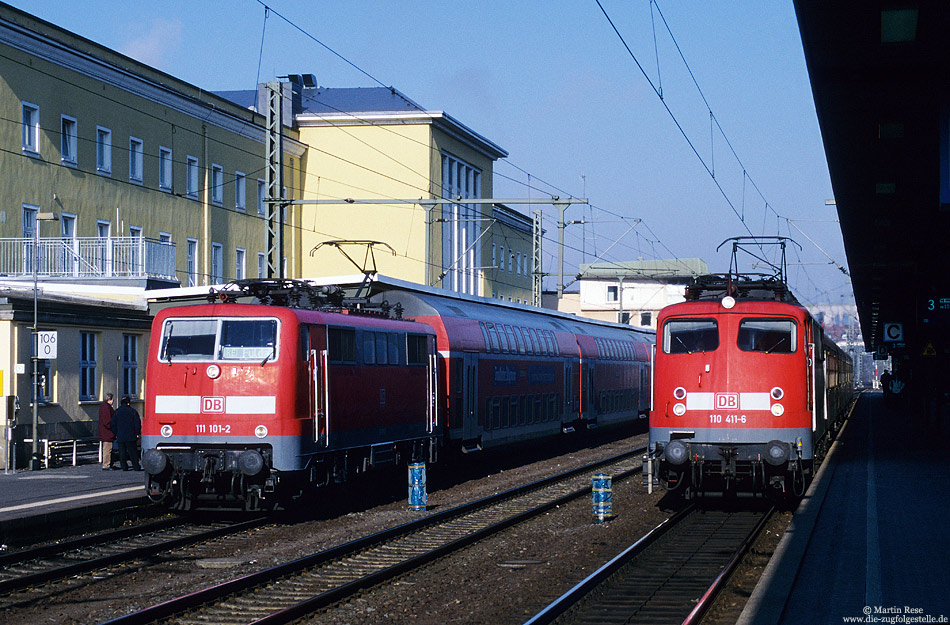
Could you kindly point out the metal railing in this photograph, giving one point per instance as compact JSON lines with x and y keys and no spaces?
{"x":88,"y":257}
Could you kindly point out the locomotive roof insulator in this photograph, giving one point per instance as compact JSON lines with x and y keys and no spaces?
{"x":303,"y":294}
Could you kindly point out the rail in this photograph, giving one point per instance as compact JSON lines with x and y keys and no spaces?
{"x":336,"y":573}
{"x":671,"y":575}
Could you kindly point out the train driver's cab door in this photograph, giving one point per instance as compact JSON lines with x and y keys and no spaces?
{"x":319,"y":367}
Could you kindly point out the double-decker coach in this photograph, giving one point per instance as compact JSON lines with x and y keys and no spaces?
{"x":510,"y":373}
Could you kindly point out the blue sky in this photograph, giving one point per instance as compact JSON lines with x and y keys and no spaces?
{"x":552,"y":83}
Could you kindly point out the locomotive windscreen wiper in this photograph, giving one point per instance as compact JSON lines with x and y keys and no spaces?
{"x":267,"y":357}
{"x":677,"y":337}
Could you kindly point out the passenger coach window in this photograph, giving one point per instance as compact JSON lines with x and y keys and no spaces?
{"x":772,"y":336}
{"x":689,"y":336}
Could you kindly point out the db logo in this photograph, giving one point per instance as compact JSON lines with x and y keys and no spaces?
{"x":727,"y":401}
{"x":212,"y":405}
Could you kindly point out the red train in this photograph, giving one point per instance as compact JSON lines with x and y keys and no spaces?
{"x":258,"y":404}
{"x":748,"y":390}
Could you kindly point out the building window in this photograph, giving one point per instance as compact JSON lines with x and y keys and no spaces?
{"x":511,"y":262}
{"x":130,"y":365}
{"x":501,"y":259}
{"x":44,"y":381}
{"x":136,"y":253}
{"x":261,"y":194}
{"x":217,"y":184}
{"x":613,"y":293}
{"x":164,"y":169}
{"x":646,"y":318}
{"x":239,"y":255}
{"x":217,"y":263}
{"x":461,"y":227}
{"x":261,"y":265}
{"x":31,"y":128}
{"x":103,"y":150}
{"x":103,"y":247}
{"x":87,"y":366}
{"x":135,"y":159}
{"x":191,"y":183}
{"x":240,"y":191}
{"x":191,"y":262}
{"x":67,"y":140}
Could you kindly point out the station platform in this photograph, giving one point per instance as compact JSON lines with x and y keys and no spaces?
{"x":870,"y":543}
{"x":45,"y":504}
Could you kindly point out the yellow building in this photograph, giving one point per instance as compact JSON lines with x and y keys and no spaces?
{"x":148,"y":181}
{"x":378,"y":168}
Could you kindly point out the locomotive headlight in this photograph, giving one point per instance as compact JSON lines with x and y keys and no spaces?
{"x":728,"y":302}
{"x":679,"y":409}
{"x":776,"y":453}
{"x":777,"y":393}
{"x":166,"y":431}
{"x":778,"y":410}
{"x":260,"y":431}
{"x":676,"y":452}
{"x":213,"y":371}
{"x":679,"y":393}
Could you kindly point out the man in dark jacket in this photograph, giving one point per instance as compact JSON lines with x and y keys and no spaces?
{"x":127,"y":426}
{"x":106,"y":435}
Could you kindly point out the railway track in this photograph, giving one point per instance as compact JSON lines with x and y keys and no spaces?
{"x":28,"y":568}
{"x":286,"y":592}
{"x":670,"y":576}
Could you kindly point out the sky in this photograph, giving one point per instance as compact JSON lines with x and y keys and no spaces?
{"x":732,"y":148}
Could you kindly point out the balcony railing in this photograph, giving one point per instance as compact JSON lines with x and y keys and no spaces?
{"x":88,"y":257}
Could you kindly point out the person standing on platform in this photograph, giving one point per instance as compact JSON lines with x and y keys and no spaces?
{"x":127,"y":426}
{"x":106,"y":435}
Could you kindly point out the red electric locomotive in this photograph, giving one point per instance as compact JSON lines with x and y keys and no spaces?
{"x":747,"y":391}
{"x":258,"y":404}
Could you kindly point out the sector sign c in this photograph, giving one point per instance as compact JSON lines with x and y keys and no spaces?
{"x":893,"y":332}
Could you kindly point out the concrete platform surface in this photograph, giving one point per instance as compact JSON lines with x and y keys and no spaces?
{"x":871,"y":542}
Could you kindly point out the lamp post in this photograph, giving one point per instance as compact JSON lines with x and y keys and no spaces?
{"x":35,"y":462}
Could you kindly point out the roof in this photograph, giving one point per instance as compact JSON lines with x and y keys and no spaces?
{"x":659,"y":268}
{"x":340,"y":106}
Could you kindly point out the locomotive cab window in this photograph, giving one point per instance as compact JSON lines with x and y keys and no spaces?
{"x":771,"y":336}
{"x":241,"y":339}
{"x":689,"y":336}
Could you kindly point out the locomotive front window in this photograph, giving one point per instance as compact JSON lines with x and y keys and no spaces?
{"x":219,"y":339}
{"x":689,"y":336}
{"x":771,"y":336}
{"x":248,"y":339}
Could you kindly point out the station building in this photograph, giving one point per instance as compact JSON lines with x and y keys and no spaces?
{"x":116,"y":175}
{"x":630,"y":292}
